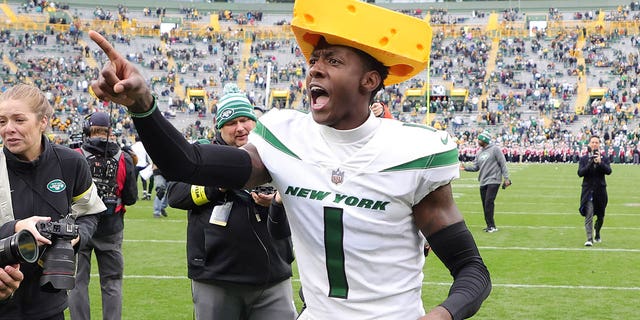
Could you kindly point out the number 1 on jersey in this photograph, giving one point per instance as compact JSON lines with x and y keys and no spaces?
{"x":334,"y":252}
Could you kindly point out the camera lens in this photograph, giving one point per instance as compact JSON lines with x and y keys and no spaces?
{"x":59,"y":267}
{"x":20,"y":247}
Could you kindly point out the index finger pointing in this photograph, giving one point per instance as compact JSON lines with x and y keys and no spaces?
{"x":105,"y":46}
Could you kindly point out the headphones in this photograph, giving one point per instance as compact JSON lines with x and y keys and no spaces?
{"x":86,"y":125}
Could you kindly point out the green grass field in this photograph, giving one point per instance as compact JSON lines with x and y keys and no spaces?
{"x":539,"y":266}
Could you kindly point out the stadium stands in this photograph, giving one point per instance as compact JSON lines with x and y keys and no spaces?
{"x":540,"y":83}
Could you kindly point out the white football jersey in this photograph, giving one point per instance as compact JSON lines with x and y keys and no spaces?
{"x":359,"y":253}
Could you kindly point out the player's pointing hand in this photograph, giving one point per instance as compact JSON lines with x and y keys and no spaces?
{"x":120,"y":81}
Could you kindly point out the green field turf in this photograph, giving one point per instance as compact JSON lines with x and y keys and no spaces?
{"x":539,"y":266}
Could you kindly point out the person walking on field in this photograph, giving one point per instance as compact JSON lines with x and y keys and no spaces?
{"x":492,"y":167}
{"x":114,"y":174}
{"x":142,"y":168}
{"x":593,"y":199}
{"x":356,"y":197}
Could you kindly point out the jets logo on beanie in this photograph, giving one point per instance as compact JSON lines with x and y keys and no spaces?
{"x":485,"y":137}
{"x":233,"y":104}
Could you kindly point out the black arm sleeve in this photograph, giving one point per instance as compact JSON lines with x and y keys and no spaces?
{"x":197,"y":164}
{"x":278,"y":224}
{"x":454,"y":245}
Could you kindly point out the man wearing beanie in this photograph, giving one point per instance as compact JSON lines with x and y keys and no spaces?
{"x":232,"y":105}
{"x":238,"y":269}
{"x":114,"y":174}
{"x":360,"y":202}
{"x":493,"y":169}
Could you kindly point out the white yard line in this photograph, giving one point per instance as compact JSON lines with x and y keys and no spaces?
{"x":444,"y":284}
{"x":543,"y":286}
{"x":560,"y":249}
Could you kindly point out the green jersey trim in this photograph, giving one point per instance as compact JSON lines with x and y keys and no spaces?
{"x":270,"y":138}
{"x":418,"y":125}
{"x":442,"y":159}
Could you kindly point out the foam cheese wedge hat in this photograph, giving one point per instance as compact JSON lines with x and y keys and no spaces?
{"x":400,"y":42}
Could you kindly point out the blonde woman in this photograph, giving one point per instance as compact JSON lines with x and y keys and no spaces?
{"x":40,"y":182}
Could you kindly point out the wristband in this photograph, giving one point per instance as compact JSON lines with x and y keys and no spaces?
{"x":146,"y":113}
{"x":198,"y":195}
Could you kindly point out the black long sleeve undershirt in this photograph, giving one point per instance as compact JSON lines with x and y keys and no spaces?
{"x":198,"y":164}
{"x":454,"y":245}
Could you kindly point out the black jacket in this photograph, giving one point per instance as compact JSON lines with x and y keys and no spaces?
{"x":594,"y":184}
{"x":127,"y":189}
{"x":33,"y":185}
{"x":243,"y":251}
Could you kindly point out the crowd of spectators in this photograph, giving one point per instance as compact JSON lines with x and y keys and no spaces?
{"x":529,"y":92}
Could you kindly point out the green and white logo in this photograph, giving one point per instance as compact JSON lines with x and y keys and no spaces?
{"x":445,"y":140}
{"x":56,"y":185}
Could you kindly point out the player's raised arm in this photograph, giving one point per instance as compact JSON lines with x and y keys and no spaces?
{"x":120,"y":81}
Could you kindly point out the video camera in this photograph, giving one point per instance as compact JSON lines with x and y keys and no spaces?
{"x":58,"y":261}
{"x":75,"y":140}
{"x":21,"y":247}
{"x":593,"y":153}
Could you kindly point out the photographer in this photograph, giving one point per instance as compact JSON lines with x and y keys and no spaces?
{"x":114,"y":174}
{"x":593,"y":198}
{"x":238,"y":270}
{"x":51,"y":181}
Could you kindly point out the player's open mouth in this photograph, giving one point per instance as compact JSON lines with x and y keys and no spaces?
{"x":319,"y":96}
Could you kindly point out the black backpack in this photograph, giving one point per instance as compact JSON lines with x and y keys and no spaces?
{"x":104,"y":171}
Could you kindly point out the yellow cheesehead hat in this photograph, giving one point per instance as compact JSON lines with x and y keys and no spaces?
{"x":400,"y":42}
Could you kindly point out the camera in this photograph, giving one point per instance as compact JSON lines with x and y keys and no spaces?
{"x":593,"y":153}
{"x":18,"y":248}
{"x":265,"y":189}
{"x":75,"y":140}
{"x":58,"y":261}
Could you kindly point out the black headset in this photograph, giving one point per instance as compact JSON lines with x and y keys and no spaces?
{"x":86,"y":125}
